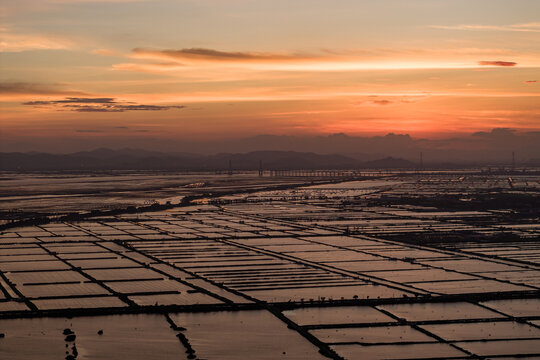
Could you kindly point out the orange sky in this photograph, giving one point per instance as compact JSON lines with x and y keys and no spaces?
{"x":233,"y":68}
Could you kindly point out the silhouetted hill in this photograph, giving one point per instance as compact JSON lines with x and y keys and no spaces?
{"x":135,"y":159}
{"x":493,"y":147}
{"x":282,"y":160}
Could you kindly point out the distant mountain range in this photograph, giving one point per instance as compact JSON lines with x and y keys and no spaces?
{"x":493,"y":147}
{"x":136,"y":159}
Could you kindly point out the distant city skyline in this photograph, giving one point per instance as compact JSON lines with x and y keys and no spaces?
{"x":81,"y":74}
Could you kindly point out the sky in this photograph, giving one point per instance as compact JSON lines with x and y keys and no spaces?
{"x":120,"y":72}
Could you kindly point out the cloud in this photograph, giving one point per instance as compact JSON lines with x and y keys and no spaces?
{"x":496,"y":133}
{"x":79,"y":108}
{"x":375,"y":100}
{"x":23,"y":88}
{"x":203,"y":64}
{"x":113,"y":129}
{"x":147,"y":107}
{"x":11,"y":42}
{"x":73,"y":100}
{"x":382,"y":102}
{"x":530,"y":81}
{"x":497,"y":63}
{"x":88,"y":131}
{"x":202,"y":54}
{"x":78,"y":104}
{"x":527,"y":27}
{"x":107,"y":52}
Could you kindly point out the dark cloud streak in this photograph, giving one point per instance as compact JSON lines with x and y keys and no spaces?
{"x":382,"y":102}
{"x":99,"y":105}
{"x":21,"y":88}
{"x":216,"y":55}
{"x":497,"y":63}
{"x":375,"y":100}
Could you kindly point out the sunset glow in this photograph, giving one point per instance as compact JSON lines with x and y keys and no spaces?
{"x":231,"y":69}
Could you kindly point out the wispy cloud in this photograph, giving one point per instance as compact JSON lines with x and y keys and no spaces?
{"x":376,"y":100}
{"x":526,"y":27}
{"x":382,"y":102}
{"x":98,"y":105}
{"x":216,"y":65}
{"x":13,"y":42}
{"x":114,"y":129}
{"x":89,"y":131}
{"x":18,"y":89}
{"x":73,"y":100}
{"x":107,"y":52}
{"x":530,"y":81}
{"x":497,"y":63}
{"x":202,"y":54}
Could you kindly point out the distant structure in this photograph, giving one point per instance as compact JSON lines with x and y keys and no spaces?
{"x":421,"y":160}
{"x":513,"y":161}
{"x":230,"y":167}
{"x":260,"y":168}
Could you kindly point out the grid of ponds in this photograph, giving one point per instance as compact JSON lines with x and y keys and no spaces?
{"x":361,"y":210}
{"x":428,"y":330}
{"x":277,"y":279}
